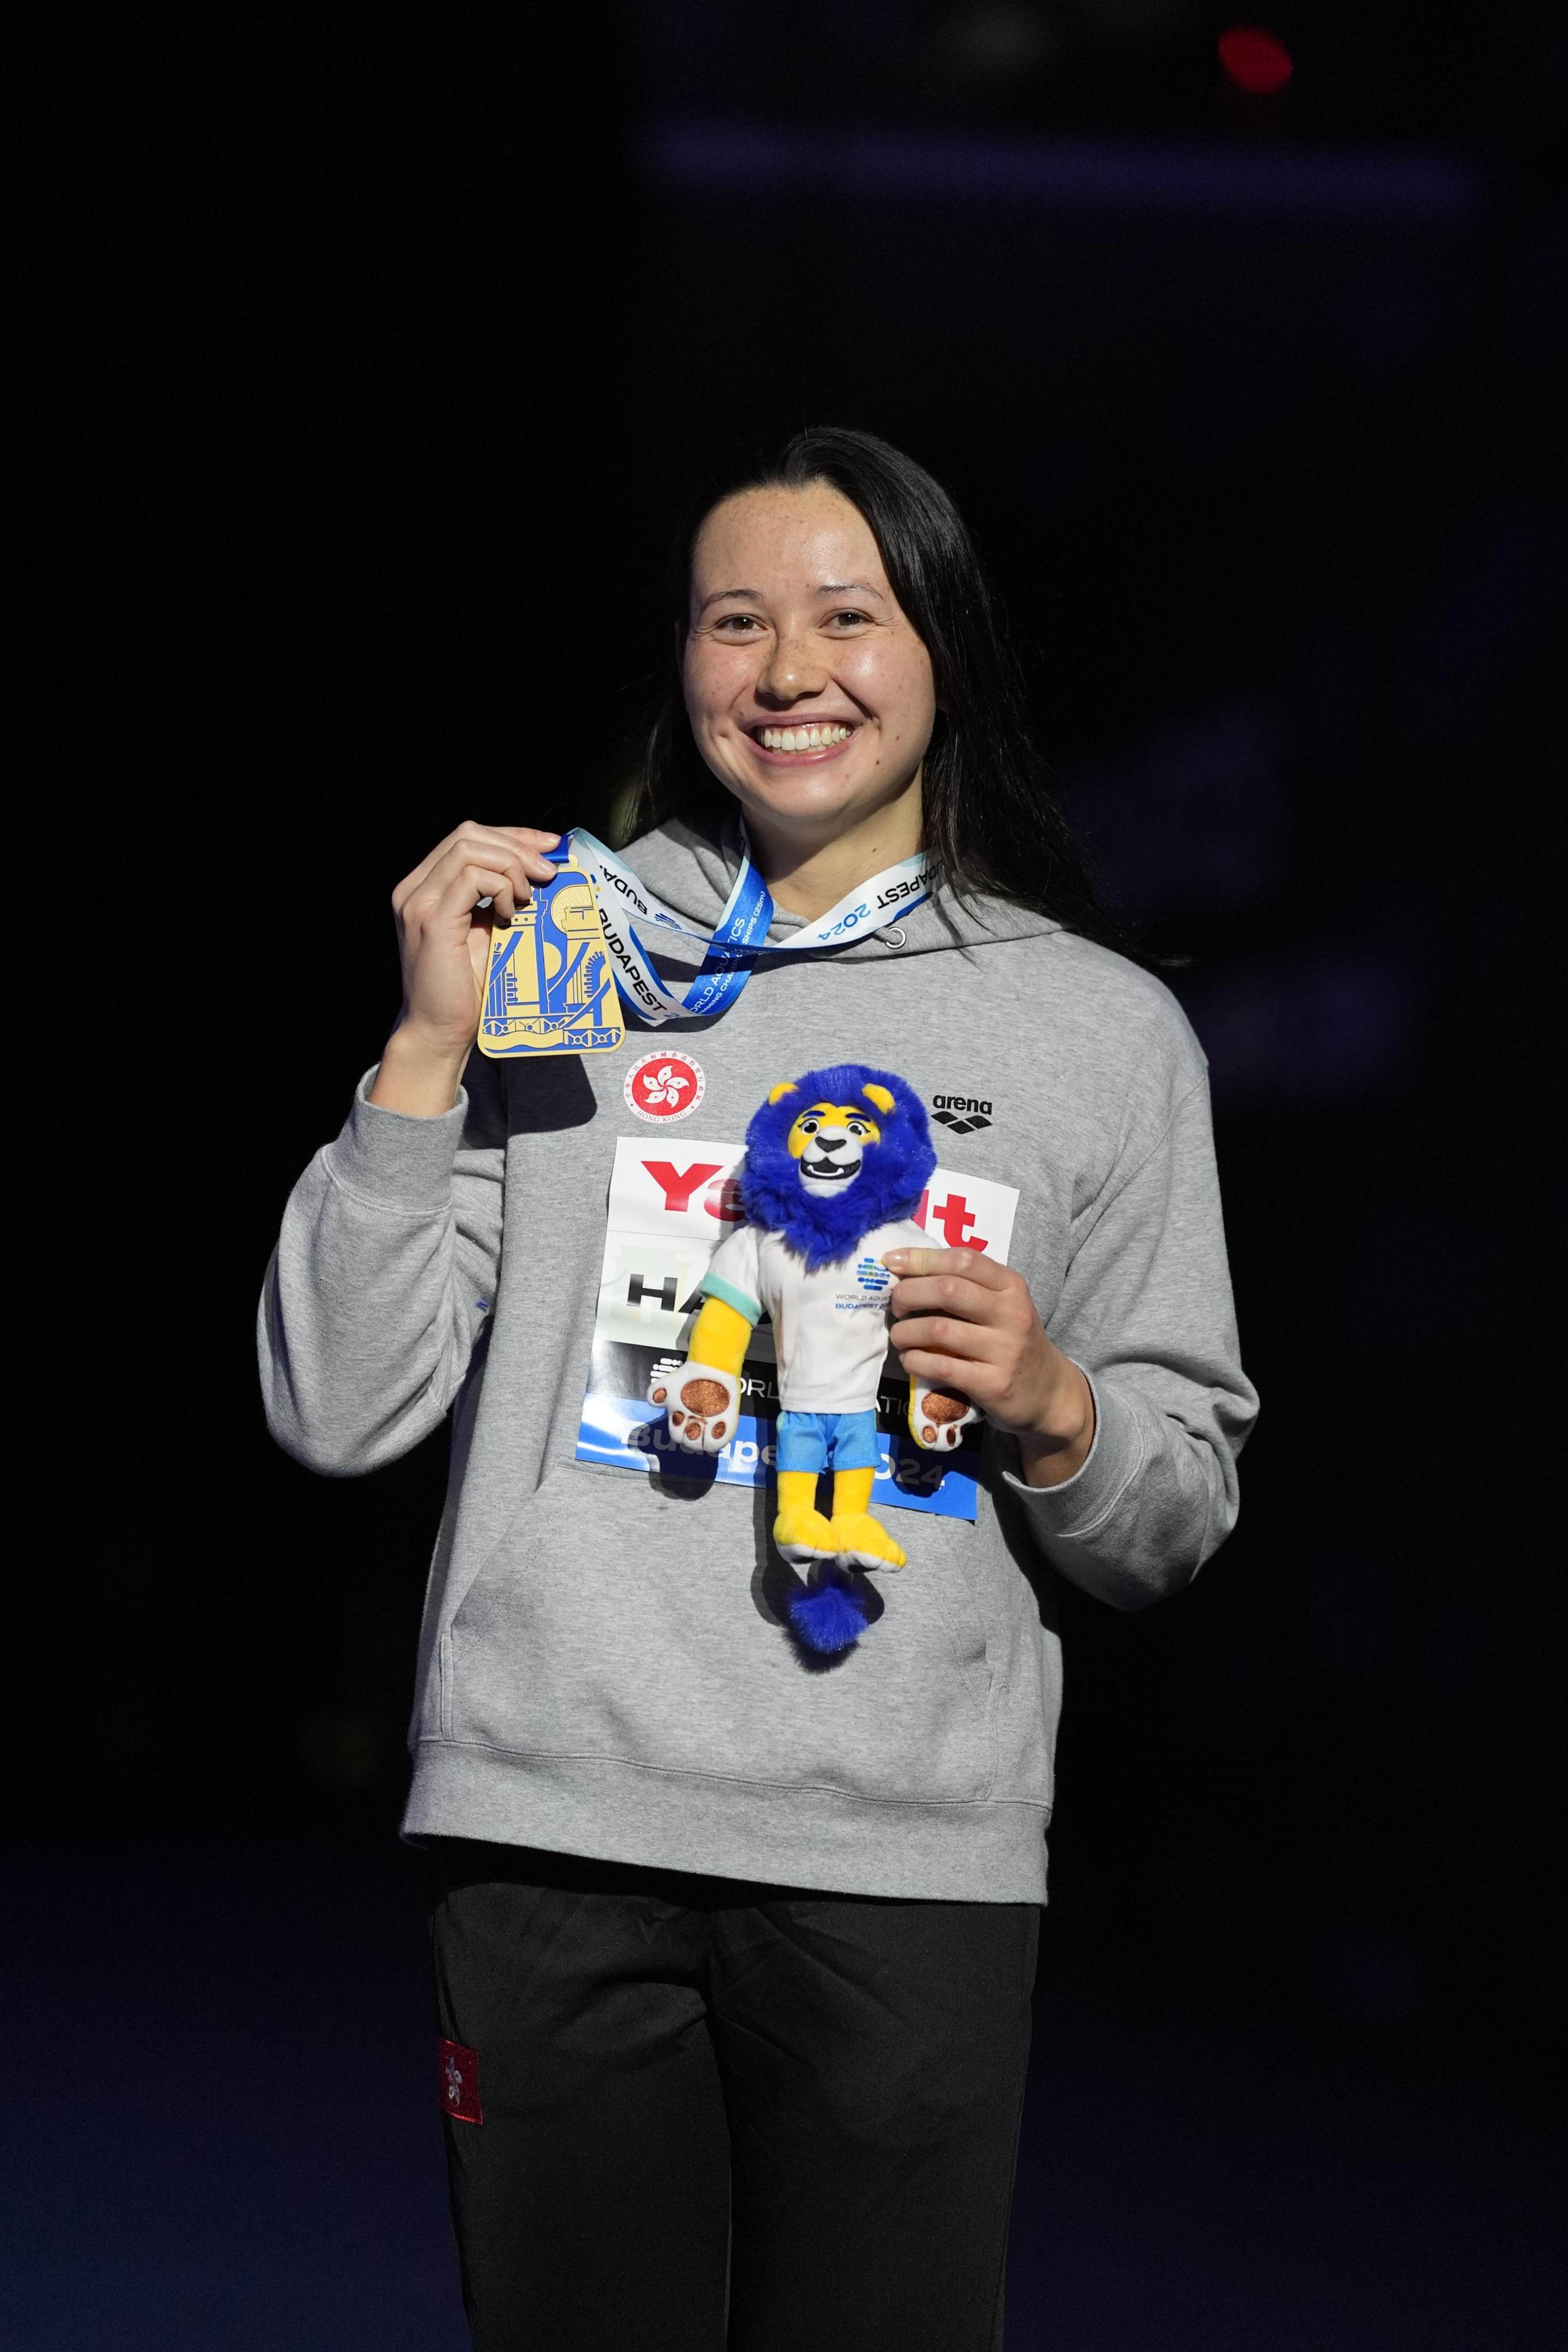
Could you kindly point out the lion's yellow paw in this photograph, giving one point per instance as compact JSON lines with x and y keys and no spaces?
{"x":858,"y":1536}
{"x":802,"y":1534}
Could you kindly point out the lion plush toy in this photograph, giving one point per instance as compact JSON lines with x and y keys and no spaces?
{"x":835,"y":1164}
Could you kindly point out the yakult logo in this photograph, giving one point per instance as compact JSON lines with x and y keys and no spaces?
{"x":954,"y":1219}
{"x":663,"y":1086}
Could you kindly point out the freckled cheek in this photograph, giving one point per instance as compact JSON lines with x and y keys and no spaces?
{"x":713,"y":687}
{"x":895,"y":686}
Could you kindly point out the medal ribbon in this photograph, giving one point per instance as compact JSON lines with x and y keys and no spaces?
{"x":739,"y":936}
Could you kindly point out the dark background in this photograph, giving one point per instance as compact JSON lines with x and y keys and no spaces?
{"x":390,"y":341}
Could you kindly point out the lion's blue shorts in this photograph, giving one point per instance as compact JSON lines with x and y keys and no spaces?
{"x":814,"y":1441}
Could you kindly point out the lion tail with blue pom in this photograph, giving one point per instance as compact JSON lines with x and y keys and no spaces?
{"x":829,"y":1617}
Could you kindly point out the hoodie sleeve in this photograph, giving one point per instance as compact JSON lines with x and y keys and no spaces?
{"x":382,"y":1279}
{"x":1146,"y":1309}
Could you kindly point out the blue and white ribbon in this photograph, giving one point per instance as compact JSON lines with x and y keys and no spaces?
{"x":739,"y":936}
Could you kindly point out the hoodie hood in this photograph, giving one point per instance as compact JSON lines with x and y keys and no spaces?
{"x":693,"y":868}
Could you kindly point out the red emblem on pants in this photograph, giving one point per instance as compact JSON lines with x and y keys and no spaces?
{"x":459,"y":2080}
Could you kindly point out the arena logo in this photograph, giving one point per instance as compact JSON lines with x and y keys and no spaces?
{"x":963,"y":1113}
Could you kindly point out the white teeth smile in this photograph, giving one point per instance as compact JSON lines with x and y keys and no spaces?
{"x":802,"y":739}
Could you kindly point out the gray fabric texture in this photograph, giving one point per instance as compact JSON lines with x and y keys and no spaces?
{"x":603,"y":1668}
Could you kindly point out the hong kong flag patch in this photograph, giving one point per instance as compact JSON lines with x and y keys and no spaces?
{"x":663,"y":1086}
{"x":459,"y":2080}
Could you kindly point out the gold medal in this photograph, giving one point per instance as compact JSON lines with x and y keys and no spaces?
{"x":550,"y":986}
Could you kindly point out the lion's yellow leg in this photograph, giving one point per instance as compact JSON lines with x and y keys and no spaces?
{"x":854,"y":1532}
{"x":799,"y":1527}
{"x":852,"y":1492}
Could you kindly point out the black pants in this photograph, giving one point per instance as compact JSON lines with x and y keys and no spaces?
{"x":720,"y":2115}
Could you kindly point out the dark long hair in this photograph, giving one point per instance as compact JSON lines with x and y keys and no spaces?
{"x":992,"y":822}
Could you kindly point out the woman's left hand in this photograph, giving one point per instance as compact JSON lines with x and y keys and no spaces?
{"x":963,"y":1322}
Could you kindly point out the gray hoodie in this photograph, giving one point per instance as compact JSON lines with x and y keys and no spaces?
{"x":604,"y":1668}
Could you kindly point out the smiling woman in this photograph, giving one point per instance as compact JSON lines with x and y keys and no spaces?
{"x":811,"y":695}
{"x":734,"y":1916}
{"x":831,"y":614}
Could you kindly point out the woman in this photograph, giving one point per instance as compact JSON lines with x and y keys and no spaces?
{"x":734,"y":1950}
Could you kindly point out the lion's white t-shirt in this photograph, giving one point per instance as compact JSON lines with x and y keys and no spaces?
{"x":830,"y":1328}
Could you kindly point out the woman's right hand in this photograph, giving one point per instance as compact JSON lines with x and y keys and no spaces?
{"x":444,"y":942}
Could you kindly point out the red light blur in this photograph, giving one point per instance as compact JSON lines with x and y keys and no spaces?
{"x":1255,"y":60}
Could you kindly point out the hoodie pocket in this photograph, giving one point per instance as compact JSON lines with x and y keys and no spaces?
{"x":641,"y":1635}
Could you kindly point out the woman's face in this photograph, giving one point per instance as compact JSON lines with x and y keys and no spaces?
{"x":809,"y":694}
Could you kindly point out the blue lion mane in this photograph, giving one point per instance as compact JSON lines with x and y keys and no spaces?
{"x":893,"y":1173}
